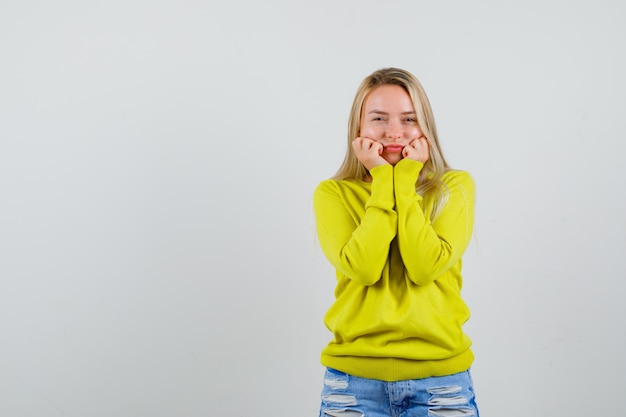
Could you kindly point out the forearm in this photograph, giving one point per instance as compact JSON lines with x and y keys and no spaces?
{"x":428,"y":250}
{"x":355,"y":235}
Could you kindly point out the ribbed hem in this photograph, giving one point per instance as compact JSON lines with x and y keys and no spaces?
{"x":396,"y":369}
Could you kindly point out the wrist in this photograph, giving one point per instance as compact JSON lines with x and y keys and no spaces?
{"x":376,"y":164}
{"x":406,"y":173}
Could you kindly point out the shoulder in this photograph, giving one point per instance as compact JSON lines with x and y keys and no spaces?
{"x":459,"y":185}
{"x":327,"y":189}
{"x":333,"y":185}
{"x":325,"y":186}
{"x":332,"y":189}
{"x":458,"y":178}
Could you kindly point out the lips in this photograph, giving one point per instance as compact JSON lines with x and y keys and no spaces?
{"x":394,"y":148}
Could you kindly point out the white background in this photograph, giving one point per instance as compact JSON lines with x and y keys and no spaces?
{"x":157,"y":160}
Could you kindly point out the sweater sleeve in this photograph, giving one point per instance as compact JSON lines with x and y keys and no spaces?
{"x":355,"y":237}
{"x":429,"y":250}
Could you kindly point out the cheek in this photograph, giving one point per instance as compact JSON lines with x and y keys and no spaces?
{"x":414,"y":132}
{"x":369,"y":131}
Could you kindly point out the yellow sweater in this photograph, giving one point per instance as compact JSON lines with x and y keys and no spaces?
{"x":398,"y":312}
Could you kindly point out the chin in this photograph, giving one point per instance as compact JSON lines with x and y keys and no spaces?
{"x":393,"y":159}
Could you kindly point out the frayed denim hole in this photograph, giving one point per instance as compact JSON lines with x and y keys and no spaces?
{"x":336,"y":383}
{"x":451,"y":412}
{"x":441,"y":401}
{"x":340,"y":400}
{"x":446,"y":396}
{"x":447,"y":390}
{"x":343,"y":413}
{"x":336,"y":380}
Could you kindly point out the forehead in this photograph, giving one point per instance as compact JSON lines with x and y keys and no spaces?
{"x":388,"y":98}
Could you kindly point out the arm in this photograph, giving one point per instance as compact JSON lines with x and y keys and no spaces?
{"x":355,"y":237}
{"x":428,"y":250}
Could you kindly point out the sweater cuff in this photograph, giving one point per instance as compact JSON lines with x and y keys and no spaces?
{"x":382,"y":183}
{"x":406,"y":172}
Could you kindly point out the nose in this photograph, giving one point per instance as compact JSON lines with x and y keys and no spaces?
{"x":394,"y":130}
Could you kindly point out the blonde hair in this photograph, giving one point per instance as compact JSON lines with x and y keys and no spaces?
{"x":429,"y":182}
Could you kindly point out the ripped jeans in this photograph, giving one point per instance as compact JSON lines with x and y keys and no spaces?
{"x":345,"y":395}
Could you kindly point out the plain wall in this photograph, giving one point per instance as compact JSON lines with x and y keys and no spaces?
{"x":157,"y":161}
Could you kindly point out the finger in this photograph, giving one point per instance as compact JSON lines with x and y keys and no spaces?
{"x":419,"y":144}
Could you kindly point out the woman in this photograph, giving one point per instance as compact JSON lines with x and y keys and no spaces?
{"x":394,"y":222}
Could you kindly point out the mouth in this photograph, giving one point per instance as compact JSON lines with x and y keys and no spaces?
{"x":394,"y":148}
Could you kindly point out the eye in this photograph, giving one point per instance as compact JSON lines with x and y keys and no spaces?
{"x":411,"y":119}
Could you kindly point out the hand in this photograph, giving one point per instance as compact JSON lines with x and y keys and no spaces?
{"x":417,"y":150}
{"x":369,"y":152}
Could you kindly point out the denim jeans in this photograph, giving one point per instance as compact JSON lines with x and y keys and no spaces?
{"x":345,"y":395}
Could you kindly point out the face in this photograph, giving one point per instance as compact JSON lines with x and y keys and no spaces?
{"x":389,"y":118}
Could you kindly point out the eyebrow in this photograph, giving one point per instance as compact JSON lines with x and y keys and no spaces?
{"x":384,"y":112}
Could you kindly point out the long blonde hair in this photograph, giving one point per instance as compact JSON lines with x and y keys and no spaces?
{"x":429,"y":182}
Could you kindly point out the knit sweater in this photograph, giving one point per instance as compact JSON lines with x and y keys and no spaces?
{"x":398,"y":312}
